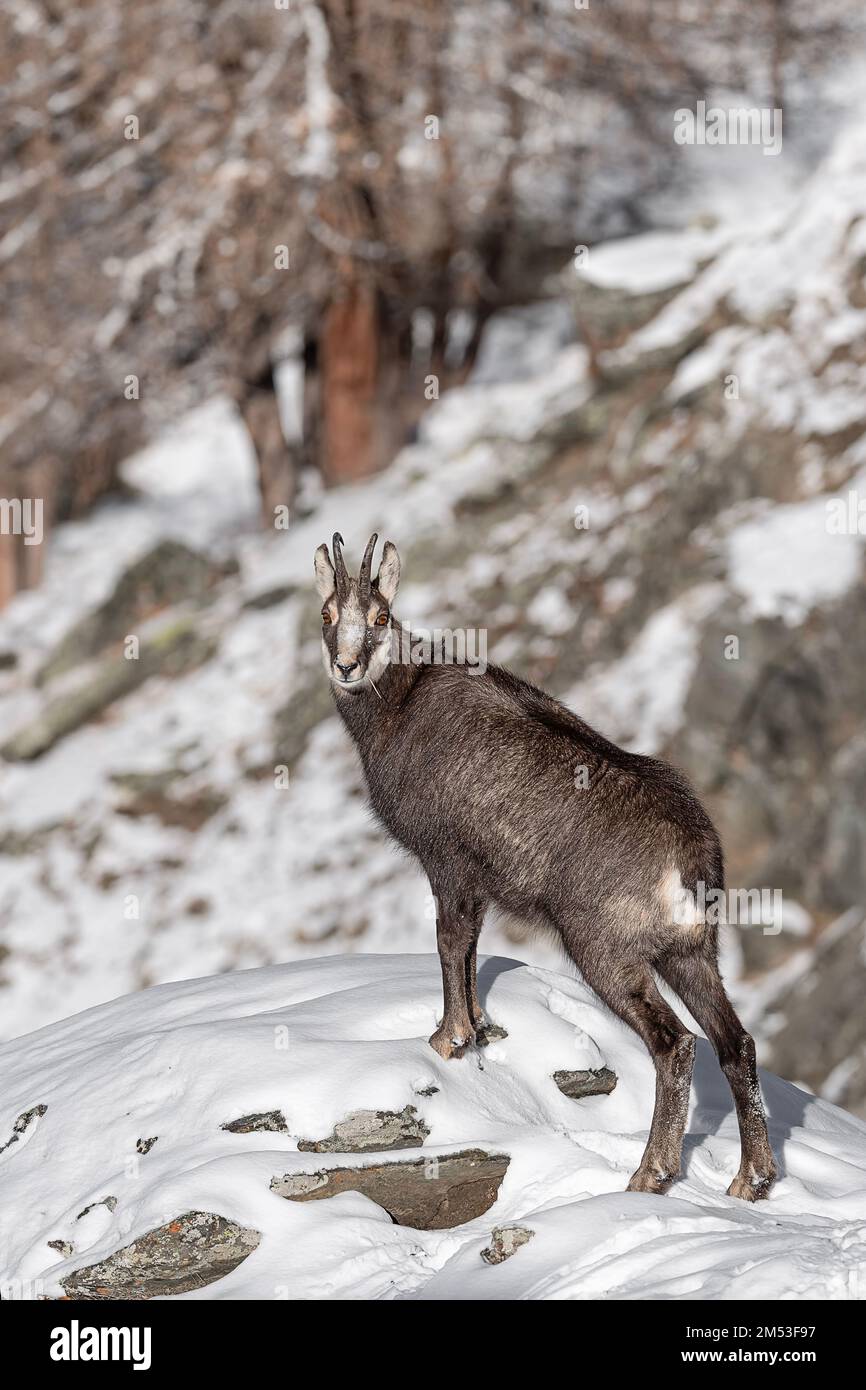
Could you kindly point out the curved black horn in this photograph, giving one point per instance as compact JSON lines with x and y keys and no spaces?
{"x":340,"y":574}
{"x":366,"y":563}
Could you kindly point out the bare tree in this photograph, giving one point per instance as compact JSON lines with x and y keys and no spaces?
{"x":182,"y":182}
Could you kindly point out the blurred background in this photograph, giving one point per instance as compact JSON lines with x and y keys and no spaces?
{"x":443,"y":271}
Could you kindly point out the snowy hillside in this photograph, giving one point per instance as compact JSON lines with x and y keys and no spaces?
{"x":198,"y":809}
{"x":121,"y":1116}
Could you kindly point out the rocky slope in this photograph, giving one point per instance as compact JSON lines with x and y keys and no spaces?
{"x":611,"y":511}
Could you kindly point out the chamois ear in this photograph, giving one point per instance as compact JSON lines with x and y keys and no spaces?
{"x":389,"y":573}
{"x":325,"y":579}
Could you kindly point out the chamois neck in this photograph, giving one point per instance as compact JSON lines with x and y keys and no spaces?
{"x":364,"y":711}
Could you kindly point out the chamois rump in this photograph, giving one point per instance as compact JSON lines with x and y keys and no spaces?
{"x":475,"y":774}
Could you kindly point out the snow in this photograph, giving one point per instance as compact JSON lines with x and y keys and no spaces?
{"x":709,"y":363}
{"x":785,"y":561}
{"x":652,"y":261}
{"x":639,"y":698}
{"x":551,"y":610}
{"x":519,"y":343}
{"x":517,"y":409}
{"x":178,"y":1061}
{"x":785,"y":276}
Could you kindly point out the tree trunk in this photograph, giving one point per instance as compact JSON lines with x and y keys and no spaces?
{"x":276,"y":461}
{"x":8,"y":567}
{"x":363,"y":375}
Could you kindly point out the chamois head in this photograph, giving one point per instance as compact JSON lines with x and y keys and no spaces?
{"x":356,"y":613}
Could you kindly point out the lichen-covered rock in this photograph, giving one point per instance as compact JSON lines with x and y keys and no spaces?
{"x":429,"y":1194}
{"x":190,"y":1252}
{"x":190,"y":812}
{"x":170,"y":572}
{"x":269,"y":598}
{"x":577,"y":1085}
{"x":22,"y":1124}
{"x":173,"y":651}
{"x":366,"y":1130}
{"x":504,"y":1241}
{"x":264,"y":1122}
{"x":109,"y":1202}
{"x":308,"y":705}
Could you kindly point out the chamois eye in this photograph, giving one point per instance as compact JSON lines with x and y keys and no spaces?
{"x":381,"y":619}
{"x":326,"y":617}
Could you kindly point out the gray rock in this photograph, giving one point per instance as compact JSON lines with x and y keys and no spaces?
{"x":265,"y":1122}
{"x":269,"y":598}
{"x":190,"y":1252}
{"x":175,"y":650}
{"x":577,"y":1085}
{"x":23,"y":1122}
{"x":168,"y":573}
{"x":310,"y":703}
{"x":490,"y":1032}
{"x":773,"y":742}
{"x":377,"y":1130}
{"x":823,"y":1022}
{"x":609,"y":313}
{"x":843,"y":852}
{"x":109,"y":1202}
{"x":428,"y":1194}
{"x":504,"y":1242}
{"x":148,"y":783}
{"x":190,"y":812}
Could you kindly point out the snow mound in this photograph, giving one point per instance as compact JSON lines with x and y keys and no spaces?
{"x":135,"y":1093}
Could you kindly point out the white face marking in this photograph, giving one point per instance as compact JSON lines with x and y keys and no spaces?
{"x":380,"y":659}
{"x":351,"y":631}
{"x":353,"y":624}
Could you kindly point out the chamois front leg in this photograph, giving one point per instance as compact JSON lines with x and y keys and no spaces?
{"x":486,"y":1031}
{"x":457,"y":928}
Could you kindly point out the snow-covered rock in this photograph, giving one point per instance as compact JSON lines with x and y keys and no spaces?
{"x":130,"y":1138}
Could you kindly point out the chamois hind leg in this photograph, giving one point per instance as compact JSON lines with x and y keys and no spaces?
{"x":485,"y":1029}
{"x":631,"y":992}
{"x":457,"y":928}
{"x":697,"y":981}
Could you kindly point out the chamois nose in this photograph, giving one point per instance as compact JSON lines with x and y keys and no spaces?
{"x":346,"y":671}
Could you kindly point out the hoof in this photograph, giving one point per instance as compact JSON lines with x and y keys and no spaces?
{"x":752,"y":1187}
{"x":650,"y":1180}
{"x":447,"y":1044}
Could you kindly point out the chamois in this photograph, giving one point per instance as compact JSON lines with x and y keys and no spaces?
{"x":506,"y":797}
